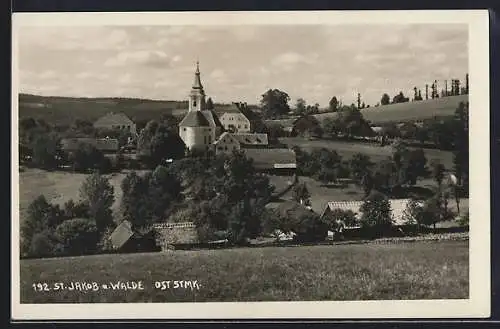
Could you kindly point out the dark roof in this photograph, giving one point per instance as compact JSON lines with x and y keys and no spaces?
{"x":113,"y":119}
{"x":233,"y":108}
{"x":121,"y":234}
{"x":250,"y":139}
{"x":103,"y":144}
{"x":212,"y":118}
{"x":281,"y":122}
{"x":194,"y":119}
{"x":291,"y":208}
{"x":272,"y":158}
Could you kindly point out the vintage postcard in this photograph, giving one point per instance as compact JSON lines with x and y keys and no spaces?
{"x":250,"y":165}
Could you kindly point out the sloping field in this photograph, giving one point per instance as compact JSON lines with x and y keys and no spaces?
{"x":432,"y":270}
{"x":410,"y":111}
{"x":374,"y":151}
{"x":58,"y":187}
{"x":64,"y":110}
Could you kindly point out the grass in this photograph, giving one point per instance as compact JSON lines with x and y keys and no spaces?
{"x":410,"y":111}
{"x":58,"y":187}
{"x":432,"y":270}
{"x":64,"y":110}
{"x":375,"y":152}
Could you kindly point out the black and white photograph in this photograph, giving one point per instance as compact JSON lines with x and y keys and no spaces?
{"x":250,"y":165}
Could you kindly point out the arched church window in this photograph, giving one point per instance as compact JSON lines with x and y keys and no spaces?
{"x":194,"y":103}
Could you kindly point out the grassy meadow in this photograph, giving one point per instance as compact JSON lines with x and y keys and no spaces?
{"x":420,"y":270}
{"x":377,"y":153}
{"x":410,"y":111}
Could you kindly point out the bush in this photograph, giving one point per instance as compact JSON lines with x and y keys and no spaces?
{"x":464,"y":220}
{"x":43,"y":244}
{"x":308,"y":228}
{"x":79,"y":236}
{"x":337,"y":219}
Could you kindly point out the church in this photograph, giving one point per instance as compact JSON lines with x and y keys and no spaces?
{"x":201,"y":127}
{"x":204,"y":129}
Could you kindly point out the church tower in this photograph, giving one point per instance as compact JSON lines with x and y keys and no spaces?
{"x":197,"y":94}
{"x":200,"y":128}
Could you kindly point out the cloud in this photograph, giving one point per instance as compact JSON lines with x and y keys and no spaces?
{"x":47,"y":75}
{"x":139,"y":57}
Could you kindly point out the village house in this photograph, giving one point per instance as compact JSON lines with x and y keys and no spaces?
{"x":105,"y":145}
{"x":398,"y":207}
{"x":228,"y":142}
{"x":125,"y":239}
{"x":234,"y":120}
{"x":114,"y":121}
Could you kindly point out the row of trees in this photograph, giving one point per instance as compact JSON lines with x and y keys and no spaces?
{"x":275,"y":103}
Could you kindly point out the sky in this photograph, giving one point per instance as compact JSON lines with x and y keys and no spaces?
{"x":239,"y":63}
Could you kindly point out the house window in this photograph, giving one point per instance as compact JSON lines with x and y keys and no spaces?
{"x":225,"y":148}
{"x":194,"y":103}
{"x":184,"y":129}
{"x":128,"y":127}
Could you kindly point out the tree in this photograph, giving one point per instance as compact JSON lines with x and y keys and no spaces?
{"x":300,"y":107}
{"x":209,"y":104}
{"x":301,"y":194}
{"x":88,"y":157}
{"x":164,"y":190}
{"x":467,"y":83}
{"x":157,"y":142}
{"x":376,"y":213}
{"x":97,"y":194}
{"x":307,"y":226}
{"x":359,"y":165}
{"x":79,"y":236}
{"x":337,"y":219}
{"x":46,"y":151}
{"x":333,"y":104}
{"x":400,"y":98}
{"x":412,"y":215}
{"x":426,"y":91}
{"x":274,"y":103}
{"x":438,"y":170}
{"x":43,"y":244}
{"x":461,"y":144}
{"x":41,"y":217}
{"x":134,"y":204}
{"x":367,"y":182}
{"x":358,"y":99}
{"x":385,"y":100}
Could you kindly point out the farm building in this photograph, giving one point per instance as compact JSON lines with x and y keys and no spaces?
{"x":175,"y":235}
{"x":125,"y":239}
{"x":234,"y":120}
{"x":228,"y":142}
{"x":306,"y":126}
{"x":398,"y":206}
{"x":278,"y":161}
{"x":285,"y":124}
{"x":114,"y":121}
{"x":106,"y":145}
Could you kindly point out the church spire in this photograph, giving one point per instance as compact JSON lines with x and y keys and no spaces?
{"x":197,"y":80}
